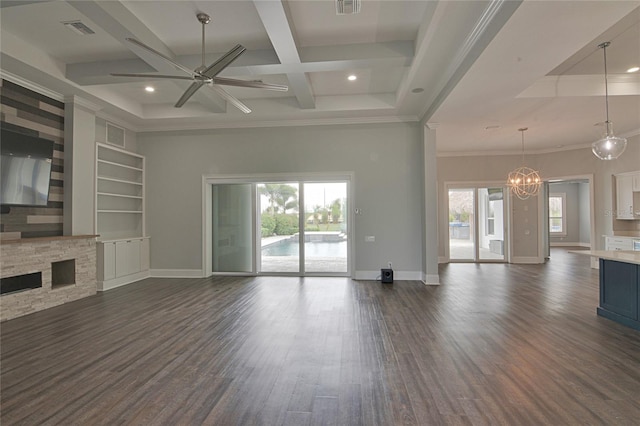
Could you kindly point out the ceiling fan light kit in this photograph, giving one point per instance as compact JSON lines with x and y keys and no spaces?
{"x":610,"y":146}
{"x":205,"y":75}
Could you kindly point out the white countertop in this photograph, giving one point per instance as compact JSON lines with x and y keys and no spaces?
{"x":618,"y":255}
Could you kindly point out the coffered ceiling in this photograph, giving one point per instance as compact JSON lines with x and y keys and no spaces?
{"x":461,"y":66}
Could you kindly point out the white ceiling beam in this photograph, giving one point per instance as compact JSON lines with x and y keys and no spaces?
{"x":262,"y":62}
{"x":120,"y":23}
{"x":274,"y":19}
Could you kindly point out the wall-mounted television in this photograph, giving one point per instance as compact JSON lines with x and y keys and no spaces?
{"x":25,"y":169}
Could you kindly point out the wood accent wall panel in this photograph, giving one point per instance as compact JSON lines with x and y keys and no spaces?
{"x":25,"y":111}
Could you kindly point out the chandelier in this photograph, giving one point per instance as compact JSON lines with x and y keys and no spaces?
{"x":524,"y":182}
{"x":610,"y":146}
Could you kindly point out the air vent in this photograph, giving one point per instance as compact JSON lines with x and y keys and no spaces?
{"x":347,"y":7}
{"x":78,"y":27}
{"x":115,"y":135}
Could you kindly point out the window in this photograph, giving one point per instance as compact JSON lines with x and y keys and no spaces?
{"x":557,"y":214}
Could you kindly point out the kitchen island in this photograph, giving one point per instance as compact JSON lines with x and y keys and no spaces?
{"x":619,"y":286}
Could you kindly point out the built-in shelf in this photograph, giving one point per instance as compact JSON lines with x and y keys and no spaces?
{"x":120,"y":211}
{"x":119,"y":193}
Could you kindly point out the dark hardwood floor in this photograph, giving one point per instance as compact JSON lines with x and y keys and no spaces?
{"x":495,"y":344}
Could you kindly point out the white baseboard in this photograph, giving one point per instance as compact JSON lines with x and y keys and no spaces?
{"x":397,"y":275}
{"x":119,"y":282}
{"x":564,"y":244}
{"x":526,"y":260}
{"x":176,"y":273}
{"x":431,"y":279}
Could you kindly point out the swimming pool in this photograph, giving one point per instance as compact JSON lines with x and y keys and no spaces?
{"x":311,"y":249}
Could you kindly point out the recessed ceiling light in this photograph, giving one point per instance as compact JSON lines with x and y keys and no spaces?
{"x":634,"y":69}
{"x":150,"y":89}
{"x":417,"y":90}
{"x":352,"y":77}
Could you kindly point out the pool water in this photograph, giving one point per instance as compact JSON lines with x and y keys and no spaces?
{"x":315,"y":249}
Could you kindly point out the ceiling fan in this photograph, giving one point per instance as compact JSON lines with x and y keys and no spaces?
{"x":206,"y":75}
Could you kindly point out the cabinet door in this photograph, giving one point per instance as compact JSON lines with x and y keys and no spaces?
{"x":636,"y":182}
{"x":144,"y":255}
{"x":109,"y":259}
{"x":134,"y":256}
{"x":619,"y":288}
{"x":127,"y":257}
{"x":624,"y":195}
{"x":122,"y":259}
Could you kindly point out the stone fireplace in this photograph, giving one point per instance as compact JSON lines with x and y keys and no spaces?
{"x":39,"y":273}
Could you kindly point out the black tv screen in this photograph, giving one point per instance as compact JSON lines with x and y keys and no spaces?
{"x":25,"y":169}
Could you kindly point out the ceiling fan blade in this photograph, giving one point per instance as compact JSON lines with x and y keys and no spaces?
{"x":226,"y":59}
{"x":155,"y":52}
{"x":151,"y":76}
{"x":231,"y":99}
{"x":188,"y":93}
{"x":248,"y":83}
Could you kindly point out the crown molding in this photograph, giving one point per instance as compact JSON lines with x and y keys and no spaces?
{"x":629,"y":134}
{"x":31,"y":86}
{"x":279,"y":123}
{"x":118,"y":121}
{"x":77,"y":100}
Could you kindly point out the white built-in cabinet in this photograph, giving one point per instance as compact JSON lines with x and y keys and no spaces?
{"x":123,"y":248}
{"x":626,"y":185}
{"x":636,"y":182}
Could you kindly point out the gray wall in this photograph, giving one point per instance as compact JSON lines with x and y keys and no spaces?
{"x":388,"y":183}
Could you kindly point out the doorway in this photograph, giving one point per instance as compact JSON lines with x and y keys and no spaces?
{"x":477,"y":225}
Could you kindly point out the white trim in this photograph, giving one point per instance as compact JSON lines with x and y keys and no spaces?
{"x":443,"y":259}
{"x":397,"y":275}
{"x":430,"y":279}
{"x":305,"y":177}
{"x":82,"y":102}
{"x":565,"y":244}
{"x":176,"y":273}
{"x":31,"y":86}
{"x":163,"y":127}
{"x":119,"y":282}
{"x":527,"y":260}
{"x":550,"y":150}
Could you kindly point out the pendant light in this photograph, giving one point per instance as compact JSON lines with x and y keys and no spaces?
{"x":610,"y":146}
{"x":524,"y":182}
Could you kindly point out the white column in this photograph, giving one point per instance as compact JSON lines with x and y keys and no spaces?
{"x":79,"y":166}
{"x":430,"y":262}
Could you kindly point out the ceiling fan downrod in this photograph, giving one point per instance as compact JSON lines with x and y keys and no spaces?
{"x":204,"y":20}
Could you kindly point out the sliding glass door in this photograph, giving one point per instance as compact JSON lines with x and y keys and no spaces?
{"x":232,"y":236}
{"x":477,"y":226}
{"x":277,"y":227}
{"x":325,"y":227}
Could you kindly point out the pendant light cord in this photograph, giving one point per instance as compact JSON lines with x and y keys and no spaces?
{"x":606,"y":83}
{"x":522,"y":130}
